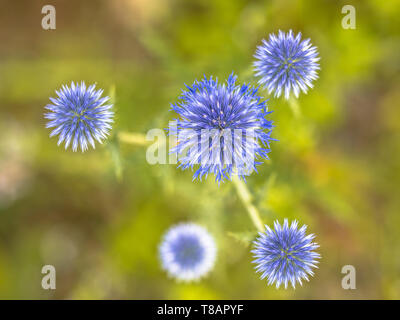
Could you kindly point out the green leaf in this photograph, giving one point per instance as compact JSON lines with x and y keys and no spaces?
{"x":245,"y":238}
{"x":113,"y":147}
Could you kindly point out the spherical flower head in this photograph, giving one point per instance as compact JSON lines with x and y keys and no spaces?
{"x":285,"y":254}
{"x":286,"y":64}
{"x":187,"y":252}
{"x":79,"y":116}
{"x":222,"y":128}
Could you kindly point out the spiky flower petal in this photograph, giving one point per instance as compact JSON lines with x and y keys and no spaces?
{"x":286,"y":64}
{"x":79,"y":115}
{"x":285,"y":254}
{"x":187,"y":252}
{"x":222,"y":128}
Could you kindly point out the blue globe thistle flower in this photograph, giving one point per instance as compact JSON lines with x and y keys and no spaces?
{"x":286,"y":64}
{"x":285,"y":254}
{"x":222,"y":128}
{"x":79,"y":115}
{"x":187,"y":252}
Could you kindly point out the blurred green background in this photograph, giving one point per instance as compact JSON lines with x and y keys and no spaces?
{"x":336,"y":169}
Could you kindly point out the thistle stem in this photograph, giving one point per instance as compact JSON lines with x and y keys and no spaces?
{"x":133,"y":138}
{"x":245,"y":197}
{"x":294,"y":105}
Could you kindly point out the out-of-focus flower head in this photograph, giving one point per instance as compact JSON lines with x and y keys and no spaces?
{"x":286,"y":64}
{"x":79,"y":116}
{"x":187,"y":252}
{"x":18,"y":146}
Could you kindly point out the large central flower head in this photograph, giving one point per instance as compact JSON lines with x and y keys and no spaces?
{"x":222,"y":128}
{"x":285,"y":254}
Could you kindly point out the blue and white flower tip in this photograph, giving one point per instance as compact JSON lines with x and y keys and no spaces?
{"x":79,"y":116}
{"x":222,"y":128}
{"x":187,"y":252}
{"x":285,"y":254}
{"x":286,"y":64}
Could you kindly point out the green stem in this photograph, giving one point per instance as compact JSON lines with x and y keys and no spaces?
{"x":294,"y":105}
{"x":133,"y":138}
{"x":245,"y":197}
{"x":241,"y":188}
{"x":137,"y":139}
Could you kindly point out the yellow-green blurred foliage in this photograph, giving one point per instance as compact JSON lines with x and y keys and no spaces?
{"x":336,"y":168}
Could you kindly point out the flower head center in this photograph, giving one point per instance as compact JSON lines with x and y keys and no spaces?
{"x":219,"y":123}
{"x":189,"y":252}
{"x":286,"y":253}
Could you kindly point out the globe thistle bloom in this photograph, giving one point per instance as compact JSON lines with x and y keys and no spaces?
{"x":222,"y":128}
{"x":286,"y":64}
{"x":285,"y":254}
{"x":187,"y":252}
{"x":79,"y":116}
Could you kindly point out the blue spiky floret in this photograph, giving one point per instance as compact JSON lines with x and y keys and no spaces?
{"x":285,"y":254}
{"x":286,"y":64}
{"x":79,"y":115}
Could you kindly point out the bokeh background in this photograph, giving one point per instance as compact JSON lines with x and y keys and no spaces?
{"x":98,"y":217}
